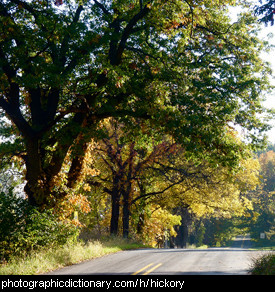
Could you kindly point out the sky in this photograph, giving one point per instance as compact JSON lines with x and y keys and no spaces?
{"x":268,"y":34}
{"x":270,"y":57}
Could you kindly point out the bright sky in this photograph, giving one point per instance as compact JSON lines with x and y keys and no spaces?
{"x":267,"y":33}
{"x":270,"y":57}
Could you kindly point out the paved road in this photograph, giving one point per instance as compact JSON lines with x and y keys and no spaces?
{"x":211,"y":261}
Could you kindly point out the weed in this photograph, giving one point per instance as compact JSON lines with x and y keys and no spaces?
{"x":263,"y":265}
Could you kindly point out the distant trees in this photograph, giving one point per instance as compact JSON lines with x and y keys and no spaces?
{"x":263,"y":200}
{"x":260,"y":219}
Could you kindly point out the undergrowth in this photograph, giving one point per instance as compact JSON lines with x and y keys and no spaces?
{"x":263,"y":265}
{"x":45,"y":260}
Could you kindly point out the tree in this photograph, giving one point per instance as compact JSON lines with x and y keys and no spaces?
{"x":266,"y":11}
{"x":65,"y":66}
{"x":120,"y":162}
{"x":263,"y":199}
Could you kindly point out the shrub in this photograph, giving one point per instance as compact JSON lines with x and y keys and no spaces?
{"x":264,"y":265}
{"x":24,"y":227}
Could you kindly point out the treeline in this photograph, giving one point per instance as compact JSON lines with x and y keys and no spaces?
{"x":258,"y":222}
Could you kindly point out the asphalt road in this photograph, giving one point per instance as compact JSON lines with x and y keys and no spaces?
{"x":212,"y":261}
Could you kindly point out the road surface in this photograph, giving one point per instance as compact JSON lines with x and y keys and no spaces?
{"x":212,"y":261}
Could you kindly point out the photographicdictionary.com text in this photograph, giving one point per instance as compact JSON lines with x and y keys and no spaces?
{"x":85,"y":283}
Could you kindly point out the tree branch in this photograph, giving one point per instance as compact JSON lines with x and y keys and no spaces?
{"x":67,"y":37}
{"x":102,"y":7}
{"x":156,"y":193}
{"x":115,"y":54}
{"x":16,"y":117}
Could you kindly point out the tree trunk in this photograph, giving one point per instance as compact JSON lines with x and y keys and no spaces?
{"x":115,"y":213}
{"x":126,"y":215}
{"x":34,"y":172}
{"x":181,"y":240}
{"x":41,"y":173}
{"x":76,"y":165}
{"x":140,"y":224}
{"x":40,"y":179}
{"x":127,"y":192}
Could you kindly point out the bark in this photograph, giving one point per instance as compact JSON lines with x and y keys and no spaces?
{"x":126,"y":215}
{"x":34,"y":171}
{"x":115,"y":213}
{"x":181,"y":239}
{"x":76,"y":166}
{"x":140,"y":224}
{"x":127,"y":193}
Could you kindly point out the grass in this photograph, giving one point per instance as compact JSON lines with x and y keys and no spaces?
{"x":268,"y":248}
{"x":263,"y":265}
{"x":46,"y":260}
{"x":193,"y":246}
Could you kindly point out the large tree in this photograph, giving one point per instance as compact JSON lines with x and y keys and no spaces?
{"x":67,"y":65}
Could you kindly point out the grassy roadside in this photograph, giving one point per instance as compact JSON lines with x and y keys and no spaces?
{"x":263,"y":265}
{"x":267,"y":248}
{"x":50,"y":259}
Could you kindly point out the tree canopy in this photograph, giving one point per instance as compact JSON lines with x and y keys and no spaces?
{"x":181,"y":66}
{"x":266,"y":10}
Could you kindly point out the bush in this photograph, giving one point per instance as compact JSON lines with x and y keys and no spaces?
{"x":264,"y":265}
{"x":24,"y":227}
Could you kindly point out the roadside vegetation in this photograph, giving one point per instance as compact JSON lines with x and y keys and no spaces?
{"x":45,"y":260}
{"x":263,"y":265}
{"x":33,"y":242}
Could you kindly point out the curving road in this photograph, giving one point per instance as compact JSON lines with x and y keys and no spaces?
{"x":212,"y":261}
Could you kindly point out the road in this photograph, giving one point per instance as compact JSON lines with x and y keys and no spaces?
{"x":212,"y":261}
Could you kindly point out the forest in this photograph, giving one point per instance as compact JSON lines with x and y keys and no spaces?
{"x":141,"y":119}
